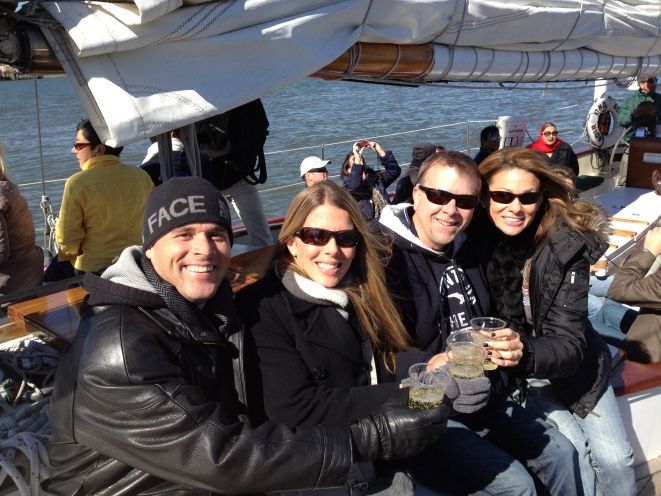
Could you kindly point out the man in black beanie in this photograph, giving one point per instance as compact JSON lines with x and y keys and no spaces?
{"x":149,"y":398}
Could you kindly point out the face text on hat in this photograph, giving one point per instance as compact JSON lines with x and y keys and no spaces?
{"x":193,"y":204}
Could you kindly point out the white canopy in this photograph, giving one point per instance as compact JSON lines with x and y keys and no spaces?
{"x":146,"y":67}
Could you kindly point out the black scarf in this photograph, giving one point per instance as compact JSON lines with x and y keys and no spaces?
{"x":505,"y":277}
{"x":219,"y":310}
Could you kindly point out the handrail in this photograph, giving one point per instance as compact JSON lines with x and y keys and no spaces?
{"x":467,"y":124}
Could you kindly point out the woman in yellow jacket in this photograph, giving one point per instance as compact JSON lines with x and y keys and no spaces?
{"x":102,"y":205}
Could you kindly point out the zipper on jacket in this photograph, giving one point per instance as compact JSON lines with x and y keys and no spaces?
{"x":573,"y":275}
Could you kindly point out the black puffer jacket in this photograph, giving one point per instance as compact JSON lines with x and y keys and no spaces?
{"x":561,"y":345}
{"x":146,"y":405}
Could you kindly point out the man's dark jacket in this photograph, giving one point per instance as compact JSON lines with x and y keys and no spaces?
{"x":414,"y":273}
{"x":145,"y":404}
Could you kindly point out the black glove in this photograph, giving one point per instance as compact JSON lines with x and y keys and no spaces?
{"x":467,"y":395}
{"x":395,"y":431}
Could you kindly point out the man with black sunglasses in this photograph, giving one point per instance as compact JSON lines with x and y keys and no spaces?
{"x":438,"y":283}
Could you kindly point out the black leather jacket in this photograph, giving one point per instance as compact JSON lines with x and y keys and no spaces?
{"x":145,"y":405}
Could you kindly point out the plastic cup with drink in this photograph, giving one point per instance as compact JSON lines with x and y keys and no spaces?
{"x":484,"y":326}
{"x":466,"y":355}
{"x":426,"y":389}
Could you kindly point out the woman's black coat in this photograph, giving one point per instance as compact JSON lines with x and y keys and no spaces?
{"x":563,"y":346}
{"x":306,"y":359}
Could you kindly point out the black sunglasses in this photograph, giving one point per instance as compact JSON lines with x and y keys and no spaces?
{"x":80,"y":146}
{"x":505,"y":197}
{"x":550,"y":133}
{"x":319,"y":237}
{"x":441,"y":197}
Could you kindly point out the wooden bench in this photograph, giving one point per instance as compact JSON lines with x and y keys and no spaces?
{"x":632,"y":377}
{"x":56,"y":315}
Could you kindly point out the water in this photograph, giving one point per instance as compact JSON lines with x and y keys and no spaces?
{"x":310,"y":117}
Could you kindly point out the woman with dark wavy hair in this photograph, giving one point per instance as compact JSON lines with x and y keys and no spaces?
{"x":538,"y":272}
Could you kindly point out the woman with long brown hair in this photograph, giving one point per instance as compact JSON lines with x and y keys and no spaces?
{"x":538,"y":273}
{"x":322,"y":330}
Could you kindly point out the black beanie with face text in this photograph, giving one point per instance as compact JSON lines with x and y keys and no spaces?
{"x":180,"y":201}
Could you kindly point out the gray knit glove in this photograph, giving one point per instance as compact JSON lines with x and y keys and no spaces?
{"x":467,"y":395}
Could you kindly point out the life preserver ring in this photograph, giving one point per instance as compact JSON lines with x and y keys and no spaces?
{"x":601,"y":126}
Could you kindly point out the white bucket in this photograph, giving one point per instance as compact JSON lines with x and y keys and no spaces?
{"x":512,"y":130}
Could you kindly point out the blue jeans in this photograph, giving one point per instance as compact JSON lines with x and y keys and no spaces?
{"x":605,"y":455}
{"x":598,"y":289}
{"x":612,"y":321}
{"x":500,"y":450}
{"x":599,"y":285}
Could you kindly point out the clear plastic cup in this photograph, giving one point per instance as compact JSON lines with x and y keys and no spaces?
{"x":426,"y":389}
{"x":466,"y":360}
{"x":484,"y":327}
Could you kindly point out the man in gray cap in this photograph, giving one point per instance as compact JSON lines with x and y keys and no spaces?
{"x":149,"y":397}
{"x":641,"y":108}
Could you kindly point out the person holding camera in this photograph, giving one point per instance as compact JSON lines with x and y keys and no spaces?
{"x":365,"y":184}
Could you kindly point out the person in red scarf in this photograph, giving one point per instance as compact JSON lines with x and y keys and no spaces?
{"x":557,"y":150}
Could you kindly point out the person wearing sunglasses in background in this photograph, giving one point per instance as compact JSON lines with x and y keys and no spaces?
{"x":322,"y":331}
{"x":438,"y":283}
{"x":541,"y":246}
{"x":557,"y":151}
{"x":102,"y":204}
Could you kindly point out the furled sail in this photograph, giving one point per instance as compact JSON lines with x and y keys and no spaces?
{"x":146,"y":67}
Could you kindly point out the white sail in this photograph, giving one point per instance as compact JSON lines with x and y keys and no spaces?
{"x":146,"y":67}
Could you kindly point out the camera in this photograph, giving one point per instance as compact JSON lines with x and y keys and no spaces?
{"x":363,"y":143}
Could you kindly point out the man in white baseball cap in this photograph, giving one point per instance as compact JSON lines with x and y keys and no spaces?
{"x":313,"y":170}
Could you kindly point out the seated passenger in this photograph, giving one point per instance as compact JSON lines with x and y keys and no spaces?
{"x":365,"y":184}
{"x":633,"y":284}
{"x":438,"y":283}
{"x":543,"y":245}
{"x":554,"y":148}
{"x":150,"y":397}
{"x":321,"y":323}
{"x":21,"y":260}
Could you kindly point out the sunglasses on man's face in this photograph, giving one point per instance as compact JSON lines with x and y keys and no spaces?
{"x":550,"y":133}
{"x":320,"y":237}
{"x":505,"y":197}
{"x":441,"y":197}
